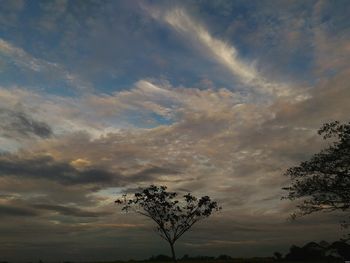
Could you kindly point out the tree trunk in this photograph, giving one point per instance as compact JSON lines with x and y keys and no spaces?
{"x":173,"y":252}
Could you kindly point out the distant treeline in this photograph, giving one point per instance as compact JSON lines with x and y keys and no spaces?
{"x":323,"y":251}
{"x":190,"y":258}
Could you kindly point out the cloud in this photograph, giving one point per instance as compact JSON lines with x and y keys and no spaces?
{"x":328,"y":101}
{"x":61,"y":114}
{"x":11,"y":12}
{"x":45,"y":167}
{"x":227,"y":55}
{"x":7,"y":210}
{"x":213,"y":131}
{"x":24,"y":60}
{"x":208,"y":141}
{"x":13,"y":206}
{"x":18,"y":124}
{"x":79,"y":153}
{"x":147,"y":104}
{"x":331,"y":47}
{"x":153,"y":171}
{"x":69,"y":211}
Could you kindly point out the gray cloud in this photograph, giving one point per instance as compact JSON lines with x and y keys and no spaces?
{"x":8,"y":210}
{"x":70,"y":211}
{"x":151,"y":172}
{"x":45,"y":167}
{"x":18,"y":124}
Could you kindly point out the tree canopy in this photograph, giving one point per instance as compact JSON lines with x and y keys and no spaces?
{"x":323,"y":182}
{"x":173,"y":216}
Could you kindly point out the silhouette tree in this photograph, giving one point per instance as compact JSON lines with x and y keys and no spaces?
{"x":323,"y":182}
{"x":278,"y":256}
{"x":172,"y":215}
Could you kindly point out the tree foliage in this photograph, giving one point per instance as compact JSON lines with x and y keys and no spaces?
{"x":173,"y":216}
{"x":323,"y":182}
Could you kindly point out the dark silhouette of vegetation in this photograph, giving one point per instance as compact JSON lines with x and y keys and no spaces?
{"x":224,"y":257}
{"x":323,"y":182}
{"x":322,"y":252}
{"x":186,"y":257}
{"x":278,"y":256}
{"x":319,"y":251}
{"x":172,"y":215}
{"x":161,"y":258}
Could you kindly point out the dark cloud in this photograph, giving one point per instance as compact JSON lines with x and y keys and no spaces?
{"x":7,"y":210}
{"x":45,"y":167}
{"x":328,"y":101}
{"x":17,"y":124}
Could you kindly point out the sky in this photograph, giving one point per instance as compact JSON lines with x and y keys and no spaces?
{"x":218,"y":98}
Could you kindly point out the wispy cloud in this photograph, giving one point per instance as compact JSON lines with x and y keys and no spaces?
{"x":224,"y":53}
{"x":23,"y":59}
